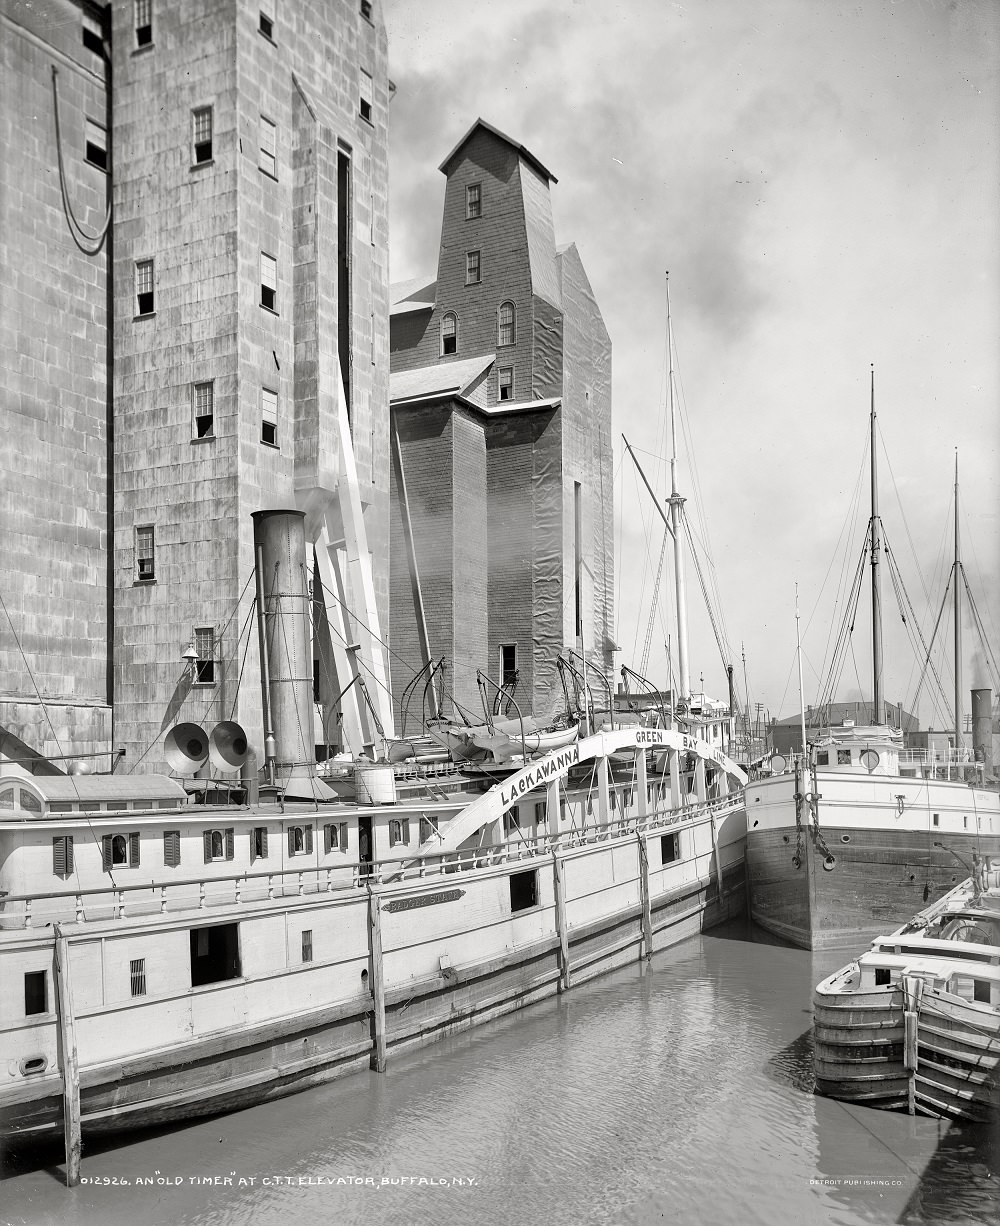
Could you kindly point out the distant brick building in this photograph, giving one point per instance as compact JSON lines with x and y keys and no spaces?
{"x":178,"y":370}
{"x":501,"y":507}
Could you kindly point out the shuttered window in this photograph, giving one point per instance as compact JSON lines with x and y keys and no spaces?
{"x":331,"y":839}
{"x":219,"y":844}
{"x":62,"y":855}
{"x":300,"y":840}
{"x":120,"y":851}
{"x":258,"y":843}
{"x":343,"y":836}
{"x":137,"y":973}
{"x":171,"y":848}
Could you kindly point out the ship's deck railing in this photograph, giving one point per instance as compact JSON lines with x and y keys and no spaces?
{"x":19,"y":911}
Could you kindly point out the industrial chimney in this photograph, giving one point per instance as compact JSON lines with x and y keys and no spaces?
{"x":982,"y":729}
{"x":285,"y":652}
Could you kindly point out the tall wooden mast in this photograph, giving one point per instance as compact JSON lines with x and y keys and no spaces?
{"x":878,"y":706}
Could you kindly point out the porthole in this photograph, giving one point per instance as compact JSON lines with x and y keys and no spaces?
{"x":756,"y":823}
{"x":784,"y":838}
{"x":830,"y":863}
{"x":33,"y":1064}
{"x":845,"y":838}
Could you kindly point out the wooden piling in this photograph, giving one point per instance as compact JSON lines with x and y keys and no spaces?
{"x":68,"y":1058}
{"x":647,"y":915}
{"x":560,"y":896}
{"x":378,"y":1055}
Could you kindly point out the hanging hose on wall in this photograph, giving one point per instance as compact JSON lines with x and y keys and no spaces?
{"x":89,"y":244}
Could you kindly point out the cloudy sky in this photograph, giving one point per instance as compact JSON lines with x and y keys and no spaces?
{"x":820,"y":178}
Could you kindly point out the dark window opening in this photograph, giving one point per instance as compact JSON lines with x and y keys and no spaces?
{"x":981,"y":990}
{"x":215,"y":954}
{"x":144,"y":293}
{"x":204,"y":645}
{"x":523,"y":890}
{"x":204,"y":410}
{"x":505,"y":383}
{"x":367,"y":93}
{"x":512,"y":821}
{"x":266,"y":26}
{"x":508,"y":664}
{"x":137,"y":972}
{"x":96,"y":152}
{"x":883,"y":976}
{"x":143,"y":23}
{"x":843,"y":757}
{"x":203,"y":135}
{"x":268,"y":282}
{"x":258,"y":843}
{"x":366,"y":10}
{"x":823,"y":758}
{"x":93,"y":37}
{"x":307,"y":945}
{"x":670,"y":848}
{"x":35,"y":993}
{"x":449,"y":333}
{"x":269,"y":417}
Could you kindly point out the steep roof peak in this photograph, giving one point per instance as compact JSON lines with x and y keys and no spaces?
{"x":528,"y":156}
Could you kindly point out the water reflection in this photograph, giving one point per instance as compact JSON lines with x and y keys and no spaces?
{"x":679,"y":1091}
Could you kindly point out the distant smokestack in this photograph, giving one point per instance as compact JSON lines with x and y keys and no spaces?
{"x":982,"y":729}
{"x":280,"y":553}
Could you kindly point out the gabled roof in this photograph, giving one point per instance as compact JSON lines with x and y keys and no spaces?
{"x":416,"y":294}
{"x":528,"y":156}
{"x":441,"y":379}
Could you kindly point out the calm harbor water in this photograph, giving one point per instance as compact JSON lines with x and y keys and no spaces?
{"x":678,"y":1092}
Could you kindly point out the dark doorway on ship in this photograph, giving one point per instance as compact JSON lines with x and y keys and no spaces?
{"x":215,"y":954}
{"x":365,"y":844}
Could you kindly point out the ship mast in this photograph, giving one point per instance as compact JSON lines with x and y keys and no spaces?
{"x":676,"y":507}
{"x":958,"y":624}
{"x":877,"y":703}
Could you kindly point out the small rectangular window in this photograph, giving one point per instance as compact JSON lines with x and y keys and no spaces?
{"x":268,"y":282}
{"x":96,"y":144}
{"x":258,"y":843}
{"x":473,"y":201}
{"x":266,"y":25}
{"x":883,"y":976}
{"x":508,"y":664}
{"x":505,"y":383}
{"x":981,"y":991}
{"x":215,"y":954}
{"x":523,"y":890}
{"x":269,"y":416}
{"x":936,"y":819}
{"x":540,"y":813}
{"x":822,"y":757}
{"x":512,"y":820}
{"x":171,"y":848}
{"x":307,"y":945}
{"x":473,"y":269}
{"x":202,"y":134}
{"x":204,"y":410}
{"x":62,"y":855}
{"x":145,"y":560}
{"x":268,"y":147}
{"x":143,"y":23}
{"x":843,"y":757}
{"x":144,"y":288}
{"x":367,"y":93}
{"x":137,"y":974}
{"x":35,"y":994}
{"x":93,"y":34}
{"x":366,"y":10}
{"x":670,"y":850}
{"x":204,"y":645}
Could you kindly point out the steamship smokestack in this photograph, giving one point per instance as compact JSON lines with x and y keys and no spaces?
{"x":982,"y":729}
{"x":286,"y":656}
